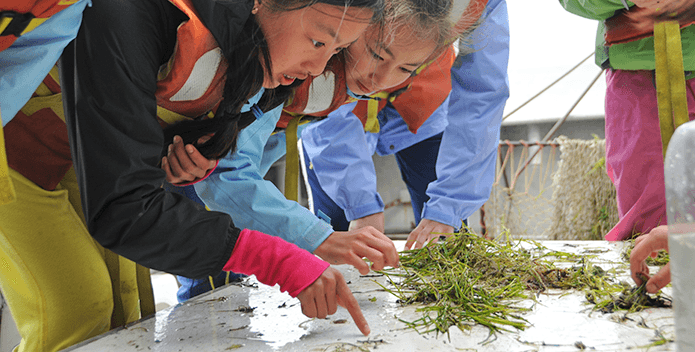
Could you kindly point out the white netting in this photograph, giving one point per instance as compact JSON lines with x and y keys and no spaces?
{"x":543,"y":198}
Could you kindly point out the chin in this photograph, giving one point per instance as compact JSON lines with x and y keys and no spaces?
{"x":355,"y":89}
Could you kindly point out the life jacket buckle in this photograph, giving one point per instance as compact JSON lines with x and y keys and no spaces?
{"x":18,"y":22}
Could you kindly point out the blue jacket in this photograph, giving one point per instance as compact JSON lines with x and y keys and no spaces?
{"x":237,"y":188}
{"x":470,"y":120}
{"x":26,"y":63}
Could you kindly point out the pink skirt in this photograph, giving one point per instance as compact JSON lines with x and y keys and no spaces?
{"x":634,"y":157}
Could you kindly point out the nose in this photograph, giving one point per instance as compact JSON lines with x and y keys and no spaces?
{"x":316,"y":64}
{"x":378,"y":79}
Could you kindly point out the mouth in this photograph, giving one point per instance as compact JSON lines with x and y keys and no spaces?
{"x":286,"y":80}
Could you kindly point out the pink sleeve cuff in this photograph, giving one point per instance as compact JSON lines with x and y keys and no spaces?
{"x":200,"y":179}
{"x":275,"y":261}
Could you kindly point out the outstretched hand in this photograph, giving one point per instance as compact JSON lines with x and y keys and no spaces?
{"x":322,"y":297}
{"x":427,"y":231}
{"x":351,"y":246}
{"x":649,"y":245}
{"x":185,"y":163}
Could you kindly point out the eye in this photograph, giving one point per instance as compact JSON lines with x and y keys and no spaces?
{"x":375,"y":55}
{"x":405,"y":70}
{"x":318,"y":44}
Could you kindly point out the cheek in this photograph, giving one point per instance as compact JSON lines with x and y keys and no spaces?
{"x":362,"y":68}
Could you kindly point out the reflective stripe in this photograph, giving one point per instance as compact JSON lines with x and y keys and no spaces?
{"x":200,"y":78}
{"x":320,"y":93}
{"x":33,"y":24}
{"x":169,"y":116}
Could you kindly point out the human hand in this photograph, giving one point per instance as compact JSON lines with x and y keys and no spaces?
{"x":351,"y":246}
{"x":649,"y":245}
{"x":320,"y":299}
{"x":184,"y":163}
{"x":375,"y":220}
{"x":427,"y":230}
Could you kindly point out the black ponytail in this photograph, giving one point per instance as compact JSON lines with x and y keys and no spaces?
{"x":244,"y":79}
{"x":245,"y":76}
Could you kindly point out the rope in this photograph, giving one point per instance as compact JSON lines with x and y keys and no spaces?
{"x":558,"y":124}
{"x":546,"y":88}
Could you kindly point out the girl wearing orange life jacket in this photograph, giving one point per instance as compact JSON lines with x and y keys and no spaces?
{"x":55,"y":271}
{"x":259,"y":147}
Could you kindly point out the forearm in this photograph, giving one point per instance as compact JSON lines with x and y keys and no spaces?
{"x":275,"y":261}
{"x":239,"y":189}
{"x":259,"y":205}
{"x":464,"y":178}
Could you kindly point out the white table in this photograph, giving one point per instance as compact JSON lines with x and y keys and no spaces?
{"x":214,"y":322}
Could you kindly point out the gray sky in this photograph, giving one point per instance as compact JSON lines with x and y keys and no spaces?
{"x":545,"y":43}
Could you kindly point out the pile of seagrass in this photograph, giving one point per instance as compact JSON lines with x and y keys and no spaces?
{"x":468,"y":280}
{"x":583,"y":195}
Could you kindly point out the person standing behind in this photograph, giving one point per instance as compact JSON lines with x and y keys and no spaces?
{"x":634,"y":156}
{"x":57,"y":278}
{"x":448,"y":165}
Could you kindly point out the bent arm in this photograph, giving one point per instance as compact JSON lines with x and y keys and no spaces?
{"x":237,"y":188}
{"x":480,"y":88}
{"x":116,"y":144}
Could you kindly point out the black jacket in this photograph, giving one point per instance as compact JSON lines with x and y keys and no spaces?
{"x":116,"y":140}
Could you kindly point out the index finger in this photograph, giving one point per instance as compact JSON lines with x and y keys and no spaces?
{"x":383,"y":244}
{"x":348,"y":301}
{"x":412,"y":237}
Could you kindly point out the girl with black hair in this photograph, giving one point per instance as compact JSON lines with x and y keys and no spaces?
{"x":135,"y":67}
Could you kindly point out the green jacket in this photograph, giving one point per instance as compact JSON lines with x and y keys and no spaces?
{"x":636,"y":55}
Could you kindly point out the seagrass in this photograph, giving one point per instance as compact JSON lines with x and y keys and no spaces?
{"x":468,"y":280}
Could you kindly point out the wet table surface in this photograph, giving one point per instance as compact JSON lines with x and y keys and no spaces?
{"x":221,"y":321}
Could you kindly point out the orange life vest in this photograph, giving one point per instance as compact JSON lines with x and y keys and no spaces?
{"x":318,"y":96}
{"x":421,"y":95}
{"x":192,"y":82}
{"x":415,"y":99}
{"x":18,"y":17}
{"x":37,"y":139}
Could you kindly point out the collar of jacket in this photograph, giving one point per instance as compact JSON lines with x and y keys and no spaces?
{"x":224,"y":19}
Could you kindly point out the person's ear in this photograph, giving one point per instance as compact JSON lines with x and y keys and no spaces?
{"x":256,"y":6}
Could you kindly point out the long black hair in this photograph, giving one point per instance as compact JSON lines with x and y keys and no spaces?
{"x":244,"y":79}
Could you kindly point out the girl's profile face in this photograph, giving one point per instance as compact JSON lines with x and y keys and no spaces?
{"x":373,"y":65}
{"x":300,"y":42}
